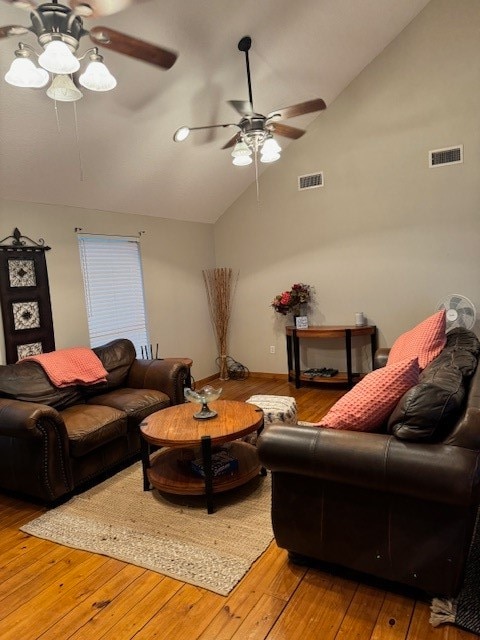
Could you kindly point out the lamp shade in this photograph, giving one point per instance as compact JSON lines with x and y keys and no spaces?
{"x":23,"y":73}
{"x":242,"y":161}
{"x":62,"y":89}
{"x":97,"y":77}
{"x":241,"y":154}
{"x":181,"y":134}
{"x":58,"y":58}
{"x":270,"y":151}
{"x":271,"y":146}
{"x":272,"y":157}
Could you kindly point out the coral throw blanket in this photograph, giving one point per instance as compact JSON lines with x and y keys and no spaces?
{"x":66,"y":367}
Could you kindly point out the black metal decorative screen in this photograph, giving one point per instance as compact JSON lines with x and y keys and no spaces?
{"x":25,"y":297}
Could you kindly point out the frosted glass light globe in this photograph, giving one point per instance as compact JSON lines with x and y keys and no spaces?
{"x":23,"y":73}
{"x":97,"y":77}
{"x":58,"y":58}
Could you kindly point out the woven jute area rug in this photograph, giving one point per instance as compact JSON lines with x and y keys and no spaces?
{"x":171,"y":535}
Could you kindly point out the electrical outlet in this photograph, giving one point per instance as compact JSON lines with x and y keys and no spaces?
{"x":272,"y":349}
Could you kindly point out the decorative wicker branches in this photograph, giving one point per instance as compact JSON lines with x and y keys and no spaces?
{"x":220,"y":286}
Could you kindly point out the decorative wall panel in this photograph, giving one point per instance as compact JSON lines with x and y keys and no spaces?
{"x":25,"y":297}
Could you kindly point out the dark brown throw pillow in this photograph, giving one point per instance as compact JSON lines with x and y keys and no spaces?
{"x":428,"y":411}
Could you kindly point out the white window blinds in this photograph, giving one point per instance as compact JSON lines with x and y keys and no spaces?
{"x":112,"y":277}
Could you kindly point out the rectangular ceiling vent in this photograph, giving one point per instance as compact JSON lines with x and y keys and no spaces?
{"x":310,"y":181}
{"x":441,"y":157}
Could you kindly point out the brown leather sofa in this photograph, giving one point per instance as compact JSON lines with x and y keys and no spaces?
{"x":399,"y":505}
{"x":54,"y":440}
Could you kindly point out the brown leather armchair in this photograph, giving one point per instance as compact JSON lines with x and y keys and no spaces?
{"x":400,"y":504}
{"x":54,"y":440}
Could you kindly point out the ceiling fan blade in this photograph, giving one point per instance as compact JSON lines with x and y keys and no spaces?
{"x":286,"y":130}
{"x":299,"y":109}
{"x":98,"y":8}
{"x":12,"y":30}
{"x":231,"y":142}
{"x":133,"y":47}
{"x":243,"y":107}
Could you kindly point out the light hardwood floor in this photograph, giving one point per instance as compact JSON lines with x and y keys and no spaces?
{"x":52,"y":592}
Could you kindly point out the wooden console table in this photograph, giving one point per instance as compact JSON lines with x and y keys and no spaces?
{"x":346,"y":333}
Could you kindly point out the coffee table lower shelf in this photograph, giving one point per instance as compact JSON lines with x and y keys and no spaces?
{"x":170,"y":470}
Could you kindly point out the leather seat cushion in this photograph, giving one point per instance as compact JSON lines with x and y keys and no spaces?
{"x":92,"y":426}
{"x":136,"y":403}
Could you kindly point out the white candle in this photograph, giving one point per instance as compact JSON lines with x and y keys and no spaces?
{"x":359,"y":319}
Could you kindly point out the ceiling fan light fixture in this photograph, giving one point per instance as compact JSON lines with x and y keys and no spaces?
{"x":271,"y":146}
{"x":97,"y":77}
{"x":181,"y":134}
{"x":241,"y":154}
{"x":270,"y":150}
{"x":242,"y":161}
{"x":272,"y":157}
{"x":63,"y":89}
{"x":24,"y":74}
{"x":241,"y":149}
{"x":57,"y":58}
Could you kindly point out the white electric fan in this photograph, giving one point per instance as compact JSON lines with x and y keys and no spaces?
{"x":460,"y":311}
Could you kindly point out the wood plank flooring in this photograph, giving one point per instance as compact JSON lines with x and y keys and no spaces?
{"x":55,"y":593}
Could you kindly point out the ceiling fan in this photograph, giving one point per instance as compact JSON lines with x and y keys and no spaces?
{"x":59,"y":29}
{"x":255,"y":131}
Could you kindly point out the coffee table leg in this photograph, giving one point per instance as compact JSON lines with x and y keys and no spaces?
{"x":145,"y":453}
{"x":207,"y":466}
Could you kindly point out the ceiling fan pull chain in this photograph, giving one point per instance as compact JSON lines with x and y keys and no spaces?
{"x":56,"y":116}
{"x":77,"y":139}
{"x":256,"y":177}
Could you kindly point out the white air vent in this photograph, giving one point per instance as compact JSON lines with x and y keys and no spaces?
{"x":450,"y":155}
{"x":310,"y":181}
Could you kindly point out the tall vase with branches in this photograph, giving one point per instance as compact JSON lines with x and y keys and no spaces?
{"x":220,"y":285}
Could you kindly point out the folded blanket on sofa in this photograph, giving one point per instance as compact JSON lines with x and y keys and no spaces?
{"x":66,"y":367}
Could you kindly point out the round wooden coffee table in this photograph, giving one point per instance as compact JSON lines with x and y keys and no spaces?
{"x":183,"y":438}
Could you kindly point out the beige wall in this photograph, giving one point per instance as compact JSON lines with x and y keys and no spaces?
{"x":173,"y":256}
{"x":386,"y":235}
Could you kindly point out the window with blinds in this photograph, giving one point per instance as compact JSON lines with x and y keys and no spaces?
{"x":112,"y":277}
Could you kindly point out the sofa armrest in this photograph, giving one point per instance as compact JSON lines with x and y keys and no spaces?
{"x":34,"y":450}
{"x":380,"y":462}
{"x":22,"y":419}
{"x":381,"y":357}
{"x":163,"y":375}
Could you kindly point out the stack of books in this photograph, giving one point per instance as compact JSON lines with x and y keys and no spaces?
{"x":222,"y":463}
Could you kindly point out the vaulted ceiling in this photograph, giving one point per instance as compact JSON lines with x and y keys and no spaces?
{"x":117,"y":153}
